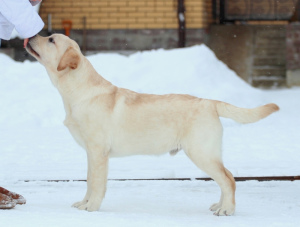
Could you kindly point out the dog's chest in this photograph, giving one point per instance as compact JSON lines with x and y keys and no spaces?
{"x":74,"y":129}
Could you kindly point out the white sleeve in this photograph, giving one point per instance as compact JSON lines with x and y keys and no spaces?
{"x":22,"y":15}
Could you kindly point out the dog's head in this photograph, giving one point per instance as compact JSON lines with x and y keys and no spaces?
{"x":58,"y":53}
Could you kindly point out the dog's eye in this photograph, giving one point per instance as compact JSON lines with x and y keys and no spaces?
{"x":51,"y":40}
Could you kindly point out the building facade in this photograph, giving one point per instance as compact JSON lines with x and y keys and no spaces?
{"x":128,"y":24}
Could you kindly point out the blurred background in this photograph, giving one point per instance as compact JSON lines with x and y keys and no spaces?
{"x":258,"y":39}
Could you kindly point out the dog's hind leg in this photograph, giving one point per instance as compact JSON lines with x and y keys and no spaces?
{"x":96,"y":182}
{"x":216,"y":170}
{"x":203,"y":146}
{"x":217,"y":206}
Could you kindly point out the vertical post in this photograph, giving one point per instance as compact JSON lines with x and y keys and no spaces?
{"x":181,"y":23}
{"x":49,"y":24}
{"x":222,"y":11}
{"x":297,"y":10}
{"x":84,"y":36}
{"x":296,"y":15}
{"x":214,"y":10}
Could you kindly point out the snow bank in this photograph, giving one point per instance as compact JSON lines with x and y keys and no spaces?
{"x":193,"y":70}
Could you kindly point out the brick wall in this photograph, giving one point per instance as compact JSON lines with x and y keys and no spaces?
{"x":125,"y":14}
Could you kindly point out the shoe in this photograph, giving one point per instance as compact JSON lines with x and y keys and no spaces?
{"x":14,"y":196}
{"x":6,"y":202}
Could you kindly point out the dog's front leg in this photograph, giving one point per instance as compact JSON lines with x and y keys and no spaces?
{"x":88,"y":191}
{"x":96,"y":182}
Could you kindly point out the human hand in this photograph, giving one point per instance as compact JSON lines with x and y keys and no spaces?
{"x":25,"y":42}
{"x":34,"y":2}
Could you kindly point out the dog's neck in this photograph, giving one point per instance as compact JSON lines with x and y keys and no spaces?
{"x":81,"y":84}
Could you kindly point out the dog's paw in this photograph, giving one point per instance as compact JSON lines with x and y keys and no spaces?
{"x":78,"y":204}
{"x":215,"y":207}
{"x":89,"y":206}
{"x":225,"y":211}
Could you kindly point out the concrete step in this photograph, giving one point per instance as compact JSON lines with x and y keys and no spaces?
{"x":270,"y":45}
{"x":269,"y":40}
{"x":268,"y":72}
{"x":269,"y":52}
{"x":277,"y":61}
{"x":269,"y":83}
{"x":280,"y":32}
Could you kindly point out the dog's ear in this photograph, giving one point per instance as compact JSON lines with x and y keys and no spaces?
{"x":69,"y":59}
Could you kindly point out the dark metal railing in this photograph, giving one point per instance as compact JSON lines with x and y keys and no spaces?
{"x":245,"y":10}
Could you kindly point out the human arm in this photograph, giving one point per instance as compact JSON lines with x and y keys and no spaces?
{"x":23,"y":16}
{"x":33,"y":3}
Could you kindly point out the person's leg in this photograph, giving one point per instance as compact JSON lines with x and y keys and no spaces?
{"x":14,"y":196}
{"x":9,"y":199}
{"x":6,"y":202}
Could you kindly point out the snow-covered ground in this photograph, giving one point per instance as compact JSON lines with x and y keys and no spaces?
{"x":34,"y":145}
{"x":155,"y":204}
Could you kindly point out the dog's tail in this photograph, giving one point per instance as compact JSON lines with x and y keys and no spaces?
{"x":244,"y":115}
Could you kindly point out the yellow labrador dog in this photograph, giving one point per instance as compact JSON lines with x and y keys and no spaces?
{"x":108,"y":121}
